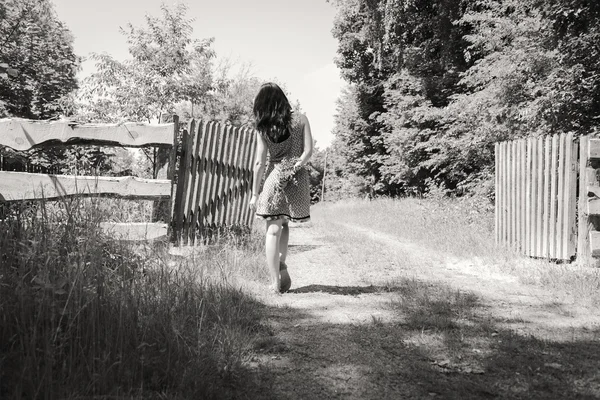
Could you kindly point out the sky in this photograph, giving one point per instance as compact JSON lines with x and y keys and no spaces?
{"x":289,"y":41}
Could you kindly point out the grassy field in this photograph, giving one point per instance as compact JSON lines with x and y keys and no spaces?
{"x":82,"y":316}
{"x":465,"y":230}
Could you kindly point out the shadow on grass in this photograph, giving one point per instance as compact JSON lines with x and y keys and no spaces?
{"x":342,"y":290}
{"x":442,"y":343}
{"x":301,"y":248}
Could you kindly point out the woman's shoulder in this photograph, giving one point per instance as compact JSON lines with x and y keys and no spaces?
{"x":299,"y":119}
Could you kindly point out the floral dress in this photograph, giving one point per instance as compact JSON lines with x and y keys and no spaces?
{"x":282,"y":198}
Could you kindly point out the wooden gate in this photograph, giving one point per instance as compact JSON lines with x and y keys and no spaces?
{"x":536,"y":196}
{"x":214,"y":181}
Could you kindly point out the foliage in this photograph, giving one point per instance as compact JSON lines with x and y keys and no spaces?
{"x":37,"y":62}
{"x":437,"y":83}
{"x":166,"y":66}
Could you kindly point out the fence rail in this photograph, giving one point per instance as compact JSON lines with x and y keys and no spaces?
{"x":215,"y":178}
{"x":207,"y":189}
{"x":22,"y":135}
{"x":536,"y":195}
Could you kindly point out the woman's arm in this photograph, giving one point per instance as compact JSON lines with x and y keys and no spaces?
{"x":308,"y":143}
{"x":259,"y":168}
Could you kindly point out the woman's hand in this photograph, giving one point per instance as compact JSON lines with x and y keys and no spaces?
{"x":252,"y":202}
{"x":297,"y":166}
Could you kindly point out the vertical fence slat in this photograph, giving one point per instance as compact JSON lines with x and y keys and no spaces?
{"x":553,"y":202}
{"x":522,"y":182}
{"x":533,"y":200}
{"x":496,"y":192}
{"x":502,"y":195}
{"x":238,"y":187}
{"x":526,"y":242}
{"x":227,"y":161}
{"x":182,"y":176}
{"x":247,"y":178}
{"x":235,"y":175}
{"x":506,"y":194}
{"x":513,"y":195}
{"x":249,"y":213}
{"x":198,"y":171}
{"x":570,"y":199}
{"x":560,"y":192}
{"x":584,"y":226}
{"x":190,"y":178}
{"x":216,"y":172}
{"x":171,"y":176}
{"x":218,"y":196}
{"x":546,"y":212}
{"x":540,"y":197}
{"x":518,"y":186}
{"x":212,"y":138}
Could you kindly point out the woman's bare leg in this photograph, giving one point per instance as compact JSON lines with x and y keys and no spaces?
{"x":272,"y":242}
{"x":283,"y":241}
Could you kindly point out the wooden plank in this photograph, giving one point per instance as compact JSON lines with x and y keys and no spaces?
{"x":227,"y":176}
{"x":198,"y":171}
{"x":211,"y":168}
{"x":249,"y":215}
{"x":247,"y":177}
{"x":533,"y":200}
{"x":540,"y":198}
{"x":18,"y":186}
{"x":182,"y":177}
{"x":136,"y":231}
{"x":192,"y":148}
{"x":569,"y":204}
{"x":546,"y":199}
{"x":506,"y":197}
{"x":171,"y":176}
{"x":238,"y":197}
{"x":212,"y":139}
{"x":22,"y":134}
{"x":584,"y":226}
{"x":594,"y":149}
{"x":500,"y":194}
{"x":594,"y":240}
{"x":234,"y":174}
{"x":216,"y":172}
{"x":561,"y":197}
{"x":526,"y":238}
{"x":552,"y":251}
{"x":497,"y":192}
{"x":221,"y":171}
{"x":519,"y":188}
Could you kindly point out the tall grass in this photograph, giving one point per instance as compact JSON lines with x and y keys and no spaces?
{"x":83,"y":316}
{"x":463,"y":229}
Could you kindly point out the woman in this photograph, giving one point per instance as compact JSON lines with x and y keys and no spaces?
{"x":285,"y":196}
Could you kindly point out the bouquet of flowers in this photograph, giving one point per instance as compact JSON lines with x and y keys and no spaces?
{"x":286,"y":173}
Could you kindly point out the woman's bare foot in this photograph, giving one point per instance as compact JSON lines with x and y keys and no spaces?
{"x":286,"y":281}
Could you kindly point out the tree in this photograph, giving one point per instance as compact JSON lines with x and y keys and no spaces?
{"x":166,"y":66}
{"x":37,"y":62}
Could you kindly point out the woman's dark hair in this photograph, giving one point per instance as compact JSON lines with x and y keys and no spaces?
{"x":272,"y":112}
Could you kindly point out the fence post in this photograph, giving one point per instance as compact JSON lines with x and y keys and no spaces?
{"x":584,"y":224}
{"x":171,"y":176}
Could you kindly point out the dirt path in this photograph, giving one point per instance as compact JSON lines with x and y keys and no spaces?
{"x":346,"y":332}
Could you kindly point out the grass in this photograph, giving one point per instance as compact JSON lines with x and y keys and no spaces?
{"x":436,"y":341}
{"x":82,"y":316}
{"x":463,"y":229}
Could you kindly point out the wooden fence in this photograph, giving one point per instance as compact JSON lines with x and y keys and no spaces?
{"x":208,"y":182}
{"x":536,"y":196}
{"x":22,"y":135}
{"x":215,"y":180}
